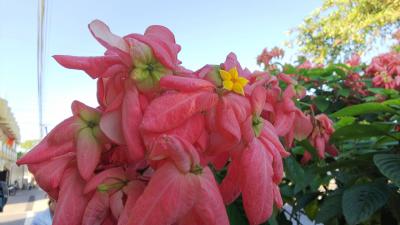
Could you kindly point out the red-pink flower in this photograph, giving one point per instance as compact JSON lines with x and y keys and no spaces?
{"x":319,"y":137}
{"x":385,"y":70}
{"x":266,"y":56}
{"x":128,"y":73}
{"x":142,"y":156}
{"x":180,"y":189}
{"x":79,"y":133}
{"x":354,"y":82}
{"x":354,"y":61}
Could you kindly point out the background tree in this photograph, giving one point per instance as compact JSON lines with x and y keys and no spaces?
{"x":341,"y":27}
{"x":28,"y":144}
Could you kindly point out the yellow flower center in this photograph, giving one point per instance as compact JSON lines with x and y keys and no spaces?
{"x":232,"y":81}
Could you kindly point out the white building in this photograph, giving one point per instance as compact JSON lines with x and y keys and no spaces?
{"x":9,"y":138}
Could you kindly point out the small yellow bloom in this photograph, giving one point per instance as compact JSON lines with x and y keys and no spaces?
{"x":232,"y":81}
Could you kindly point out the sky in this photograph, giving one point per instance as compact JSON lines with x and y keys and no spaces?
{"x":206,"y":30}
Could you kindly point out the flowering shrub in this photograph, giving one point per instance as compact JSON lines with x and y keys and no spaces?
{"x":148,"y":153}
{"x":220,"y":145}
{"x":360,"y":185}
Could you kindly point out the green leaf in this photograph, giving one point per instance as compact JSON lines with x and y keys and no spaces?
{"x":377,"y":90}
{"x":361,"y":201}
{"x":387,"y":140}
{"x":289,"y":69}
{"x":314,"y":72}
{"x":344,"y":92}
{"x":389,"y":165}
{"x":321,"y":103}
{"x":344,"y":121}
{"x":303,"y":200}
{"x":330,"y":208}
{"x":307,"y":146}
{"x":370,"y":107}
{"x":236,"y":214}
{"x":392,"y":102}
{"x":357,"y":131}
{"x":295,"y":173}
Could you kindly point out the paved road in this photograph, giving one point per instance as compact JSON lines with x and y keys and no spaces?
{"x":22,"y":207}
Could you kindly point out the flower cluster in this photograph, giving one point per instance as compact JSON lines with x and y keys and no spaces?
{"x":385,"y":70}
{"x":355,"y":83}
{"x":266,"y":56}
{"x":146,"y":155}
{"x":353,"y":80}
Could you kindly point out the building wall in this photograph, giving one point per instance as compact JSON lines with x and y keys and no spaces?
{"x":9,"y":136}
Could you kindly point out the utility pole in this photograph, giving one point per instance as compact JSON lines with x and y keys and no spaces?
{"x":41,"y":37}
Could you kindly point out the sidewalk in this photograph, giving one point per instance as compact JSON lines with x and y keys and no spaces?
{"x":23,"y":206}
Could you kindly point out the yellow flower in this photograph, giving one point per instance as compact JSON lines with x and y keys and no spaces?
{"x":232,"y":81}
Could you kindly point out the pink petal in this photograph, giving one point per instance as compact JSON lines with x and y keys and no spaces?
{"x":170,"y":148}
{"x":229,"y":186}
{"x":210,"y":206}
{"x":71,"y":202}
{"x":256,"y":184}
{"x":191,"y":130}
{"x":95,"y":67}
{"x":277,"y":196}
{"x":164,"y":52}
{"x":209,"y":209}
{"x":109,"y":94}
{"x":286,"y":78}
{"x":111,"y":126}
{"x":177,"y":150}
{"x":48,"y":174}
{"x":277,"y":163}
{"x":102,"y":33}
{"x":116,"y":204}
{"x":131,"y":118}
{"x":107,"y":176}
{"x":220,"y":160}
{"x":134,"y":190}
{"x":332,"y":150}
{"x":167,"y":198}
{"x":88,"y":153}
{"x":269,"y":133}
{"x":240,"y":105}
{"x":85,"y":112}
{"x":64,"y":131}
{"x":302,"y":127}
{"x":109,"y":220}
{"x":247,"y":130}
{"x":306,"y":158}
{"x":161,"y":33}
{"x":258,"y":97}
{"x":227,"y":120}
{"x":283,"y":122}
{"x":171,"y":110}
{"x":320,"y":146}
{"x":45,"y":151}
{"x":184,"y":84}
{"x":96,"y":210}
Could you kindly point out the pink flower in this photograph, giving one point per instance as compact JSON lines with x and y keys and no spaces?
{"x":354,"y":61}
{"x":130,"y":63}
{"x":266,"y":56}
{"x":319,"y":137}
{"x":396,"y":35}
{"x":169,"y":197}
{"x":143,"y":155}
{"x":354,"y":82}
{"x":384,"y":69}
{"x":79,"y":133}
{"x":305,"y":65}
